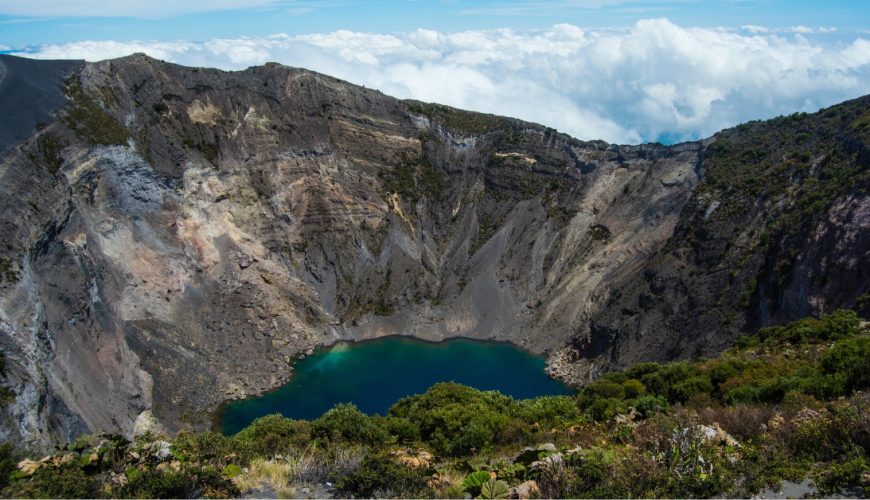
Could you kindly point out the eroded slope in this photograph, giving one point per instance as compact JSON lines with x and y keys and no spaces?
{"x":179,"y":234}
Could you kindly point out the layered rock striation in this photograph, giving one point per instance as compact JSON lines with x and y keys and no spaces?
{"x":173,"y":236}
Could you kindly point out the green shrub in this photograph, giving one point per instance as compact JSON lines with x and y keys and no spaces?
{"x":272,"y":434}
{"x":840,"y":476}
{"x":8,"y":461}
{"x":633,"y":389}
{"x":724,"y":372}
{"x":844,"y":355}
{"x":616,"y":377}
{"x":403,"y":429}
{"x":746,"y":341}
{"x":655,"y":384}
{"x":796,"y":401}
{"x":689,"y":388}
{"x":842,"y":323}
{"x":185,"y":483}
{"x":859,"y":375}
{"x":767,"y":333}
{"x":346,"y":422}
{"x":69,"y":481}
{"x":544,"y":410}
{"x":605,"y":409}
{"x":638,"y":371}
{"x":650,"y":405}
{"x":603,"y":389}
{"x":454,"y":418}
{"x":379,"y":476}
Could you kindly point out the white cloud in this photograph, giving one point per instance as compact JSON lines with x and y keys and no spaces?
{"x":653,"y":81}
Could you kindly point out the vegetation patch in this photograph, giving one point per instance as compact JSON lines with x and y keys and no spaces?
{"x":783,"y":404}
{"x":89,"y":120}
{"x":459,"y":121}
{"x":8,"y":274}
{"x":413,"y":177}
{"x":50,"y":147}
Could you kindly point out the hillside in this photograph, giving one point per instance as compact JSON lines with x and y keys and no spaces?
{"x":777,"y":229}
{"x":782,"y":405}
{"x":178,"y":234}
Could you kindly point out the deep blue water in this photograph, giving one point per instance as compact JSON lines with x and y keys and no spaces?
{"x":375,"y":374}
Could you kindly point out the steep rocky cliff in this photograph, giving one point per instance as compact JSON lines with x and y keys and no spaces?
{"x":777,"y":230}
{"x":177,"y":234}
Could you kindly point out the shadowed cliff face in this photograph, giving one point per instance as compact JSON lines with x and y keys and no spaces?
{"x":778,"y":229}
{"x":178,"y":234}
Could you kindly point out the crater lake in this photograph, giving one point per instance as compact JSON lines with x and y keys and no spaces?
{"x":375,"y":374}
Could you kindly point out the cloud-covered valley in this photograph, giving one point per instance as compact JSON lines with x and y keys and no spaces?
{"x":652,"y":81}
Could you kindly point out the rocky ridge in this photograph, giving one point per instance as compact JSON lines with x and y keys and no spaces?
{"x":177,"y":235}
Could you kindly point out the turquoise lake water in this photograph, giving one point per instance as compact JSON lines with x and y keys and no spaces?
{"x":375,"y":374}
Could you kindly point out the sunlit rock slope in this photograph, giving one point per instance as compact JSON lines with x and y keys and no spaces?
{"x":177,"y":234}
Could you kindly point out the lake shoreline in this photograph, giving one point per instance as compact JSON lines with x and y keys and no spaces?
{"x":421,"y":348}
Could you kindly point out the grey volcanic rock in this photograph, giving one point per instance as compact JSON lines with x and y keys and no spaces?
{"x":745,"y":254}
{"x":178,"y":243}
{"x":30,"y":94}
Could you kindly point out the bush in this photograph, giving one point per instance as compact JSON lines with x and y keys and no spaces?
{"x":638,"y":371}
{"x":604,"y":389}
{"x":746,"y":341}
{"x":8,"y":463}
{"x":840,"y":476}
{"x":616,"y":377}
{"x":650,"y":405}
{"x":654,"y":384}
{"x":189,"y":482}
{"x":545,"y":410}
{"x":633,"y":389}
{"x":724,"y":372}
{"x":835,"y":326}
{"x":687,"y":389}
{"x":269,"y":435}
{"x":379,"y":476}
{"x":346,"y":422}
{"x":795,"y":401}
{"x":64,"y":482}
{"x":859,"y":375}
{"x":605,"y":409}
{"x":844,"y":356}
{"x":403,"y":429}
{"x":454,"y":418}
{"x":842,"y":323}
{"x":768,"y":333}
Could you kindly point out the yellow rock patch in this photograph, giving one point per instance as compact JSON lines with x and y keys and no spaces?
{"x":203,"y":113}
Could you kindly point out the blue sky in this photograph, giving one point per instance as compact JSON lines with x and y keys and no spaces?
{"x":55,"y":21}
{"x":622,"y":71}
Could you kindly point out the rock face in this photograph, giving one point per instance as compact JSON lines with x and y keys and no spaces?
{"x":778,"y":229}
{"x":177,"y":234}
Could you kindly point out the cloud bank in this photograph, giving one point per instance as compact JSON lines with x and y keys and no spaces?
{"x":653,"y":81}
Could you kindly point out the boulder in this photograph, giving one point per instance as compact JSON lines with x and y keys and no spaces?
{"x":524,"y":490}
{"x":716,"y":436}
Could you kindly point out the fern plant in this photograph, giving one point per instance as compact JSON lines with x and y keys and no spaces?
{"x":473,"y":483}
{"x":494,"y":489}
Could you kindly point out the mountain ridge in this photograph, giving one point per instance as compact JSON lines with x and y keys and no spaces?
{"x":179,"y":234}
